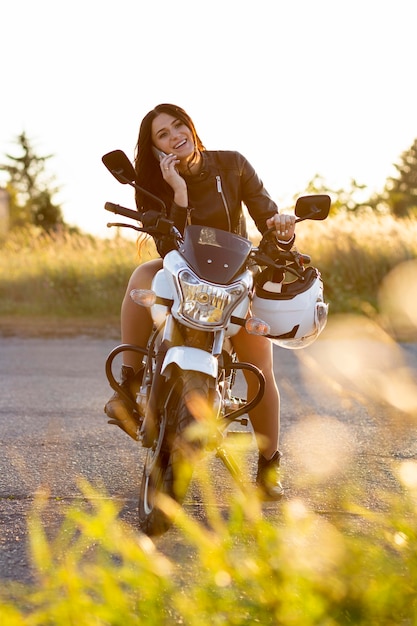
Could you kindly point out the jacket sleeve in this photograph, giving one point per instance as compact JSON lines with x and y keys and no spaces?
{"x":254,"y":195}
{"x":256,"y":198}
{"x":178,"y":215}
{"x":149,"y":217}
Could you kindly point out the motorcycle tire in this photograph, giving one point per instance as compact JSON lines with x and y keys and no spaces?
{"x":168,"y":465}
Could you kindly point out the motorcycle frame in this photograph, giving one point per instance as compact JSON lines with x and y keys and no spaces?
{"x":159,"y":366}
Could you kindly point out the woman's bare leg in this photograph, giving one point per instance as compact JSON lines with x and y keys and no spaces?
{"x":265,"y":417}
{"x":136,"y":321}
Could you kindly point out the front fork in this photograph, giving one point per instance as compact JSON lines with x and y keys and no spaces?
{"x":185,"y":357}
{"x":202,"y":353}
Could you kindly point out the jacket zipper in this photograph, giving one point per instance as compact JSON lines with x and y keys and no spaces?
{"x":226,"y":208}
{"x":189,"y":209}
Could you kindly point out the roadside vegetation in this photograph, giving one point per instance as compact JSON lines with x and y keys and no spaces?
{"x":52,"y":270}
{"x":65,"y":274}
{"x":70,"y":275}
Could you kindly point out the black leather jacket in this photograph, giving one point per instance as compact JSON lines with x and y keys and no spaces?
{"x":215,"y":196}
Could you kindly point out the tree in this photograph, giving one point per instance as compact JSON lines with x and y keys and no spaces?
{"x":30,"y":189}
{"x":400,"y":193}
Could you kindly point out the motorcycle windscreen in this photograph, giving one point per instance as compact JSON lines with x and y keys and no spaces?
{"x":214,"y":255}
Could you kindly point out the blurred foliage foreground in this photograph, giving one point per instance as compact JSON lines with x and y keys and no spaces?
{"x":368,"y":264}
{"x":301,"y":569}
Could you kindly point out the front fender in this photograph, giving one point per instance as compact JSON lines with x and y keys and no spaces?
{"x":187,"y":358}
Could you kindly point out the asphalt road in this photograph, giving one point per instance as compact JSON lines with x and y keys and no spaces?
{"x":53,"y":430}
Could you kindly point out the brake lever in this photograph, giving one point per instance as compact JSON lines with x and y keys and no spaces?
{"x":149,"y":230}
{"x":264,"y":260}
{"x":121,"y":225}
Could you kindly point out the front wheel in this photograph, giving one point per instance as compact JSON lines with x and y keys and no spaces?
{"x":169,"y":463}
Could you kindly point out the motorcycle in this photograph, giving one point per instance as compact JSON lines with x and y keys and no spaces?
{"x":213,"y":284}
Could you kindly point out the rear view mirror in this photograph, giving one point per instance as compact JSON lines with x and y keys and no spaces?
{"x":314,"y":207}
{"x":122,"y":169}
{"x":119,"y":165}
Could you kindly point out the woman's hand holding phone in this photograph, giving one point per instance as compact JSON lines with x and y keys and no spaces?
{"x":158,"y":154}
{"x":168,"y":164}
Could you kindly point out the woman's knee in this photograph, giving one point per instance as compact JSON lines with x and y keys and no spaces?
{"x":143,"y":275}
{"x":258,"y":352}
{"x":255,"y":349}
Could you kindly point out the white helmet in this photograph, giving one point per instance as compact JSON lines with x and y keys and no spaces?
{"x":297,"y":314}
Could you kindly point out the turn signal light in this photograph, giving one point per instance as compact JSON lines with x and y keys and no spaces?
{"x":255,"y":326}
{"x":144,"y":297}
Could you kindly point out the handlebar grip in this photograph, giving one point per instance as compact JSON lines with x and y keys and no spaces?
{"x":121,"y":210}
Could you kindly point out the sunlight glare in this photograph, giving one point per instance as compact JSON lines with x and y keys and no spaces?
{"x":320,"y":446}
{"x":363,"y":359}
{"x":408,"y":474}
{"x":398,"y":300}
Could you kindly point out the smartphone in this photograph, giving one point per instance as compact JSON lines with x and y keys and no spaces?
{"x":158,"y":153}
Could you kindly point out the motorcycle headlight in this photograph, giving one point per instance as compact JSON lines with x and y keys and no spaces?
{"x":206,"y":303}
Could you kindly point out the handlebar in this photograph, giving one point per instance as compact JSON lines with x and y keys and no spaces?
{"x":268,"y":253}
{"x":121,"y":210}
{"x":263,"y":255}
{"x":162,"y":227}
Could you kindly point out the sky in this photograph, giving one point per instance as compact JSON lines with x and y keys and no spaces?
{"x":300,"y":87}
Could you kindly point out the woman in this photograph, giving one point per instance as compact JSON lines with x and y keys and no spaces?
{"x":206,"y":188}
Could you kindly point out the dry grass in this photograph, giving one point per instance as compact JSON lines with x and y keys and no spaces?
{"x":82,"y":277}
{"x":64,"y":276}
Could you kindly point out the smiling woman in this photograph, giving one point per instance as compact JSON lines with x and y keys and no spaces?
{"x":167,"y":134}
{"x":173,"y":137}
{"x":175,"y":146}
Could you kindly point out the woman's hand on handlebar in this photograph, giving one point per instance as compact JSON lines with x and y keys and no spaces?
{"x":284,"y":225}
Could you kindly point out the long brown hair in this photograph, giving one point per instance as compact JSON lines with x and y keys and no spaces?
{"x":148,"y":172}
